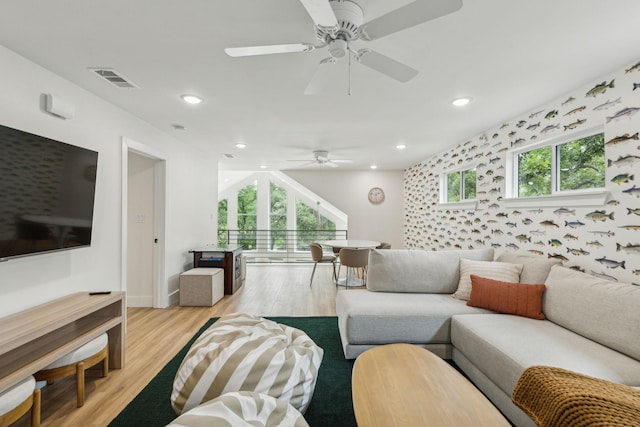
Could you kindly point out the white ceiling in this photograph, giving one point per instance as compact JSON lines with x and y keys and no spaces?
{"x":510,"y":56}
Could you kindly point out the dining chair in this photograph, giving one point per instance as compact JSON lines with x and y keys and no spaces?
{"x":354,"y":258}
{"x":318,"y":256}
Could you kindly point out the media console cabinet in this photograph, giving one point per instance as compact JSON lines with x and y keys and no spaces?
{"x":34,"y":338}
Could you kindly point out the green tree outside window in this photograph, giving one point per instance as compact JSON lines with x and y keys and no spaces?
{"x":311,"y":226}
{"x":580,"y":166}
{"x":277,"y":217}
{"x":222,"y":222}
{"x":461,"y":185}
{"x":247,"y":216}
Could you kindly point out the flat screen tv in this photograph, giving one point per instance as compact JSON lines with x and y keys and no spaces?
{"x":47,"y":191}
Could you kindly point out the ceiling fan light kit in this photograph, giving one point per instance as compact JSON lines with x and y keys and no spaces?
{"x":338,"y":23}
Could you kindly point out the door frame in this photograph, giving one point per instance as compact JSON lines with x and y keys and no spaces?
{"x":160,"y":286}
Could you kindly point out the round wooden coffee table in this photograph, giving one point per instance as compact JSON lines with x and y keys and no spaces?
{"x":406,"y":385}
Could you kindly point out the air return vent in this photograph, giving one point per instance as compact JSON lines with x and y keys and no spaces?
{"x":113,"y":77}
{"x":228,"y":156}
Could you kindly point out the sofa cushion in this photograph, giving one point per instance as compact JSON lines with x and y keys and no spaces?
{"x":502,"y":346}
{"x":418,"y":271}
{"x":510,"y":298}
{"x":504,"y":271}
{"x":535,"y":268}
{"x":384,"y":318}
{"x":604,"y":311}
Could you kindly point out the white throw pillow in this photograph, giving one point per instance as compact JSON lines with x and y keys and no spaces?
{"x":503,"y":271}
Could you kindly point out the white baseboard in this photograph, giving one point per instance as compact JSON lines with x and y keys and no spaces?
{"x":174,"y":297}
{"x":142,"y":301}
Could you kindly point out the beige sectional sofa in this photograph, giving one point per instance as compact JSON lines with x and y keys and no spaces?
{"x":591,"y":324}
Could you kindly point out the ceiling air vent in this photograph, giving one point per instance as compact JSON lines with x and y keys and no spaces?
{"x":113,"y":77}
{"x":228,"y":156}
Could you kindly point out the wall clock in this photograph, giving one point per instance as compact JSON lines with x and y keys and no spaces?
{"x":376,"y":195}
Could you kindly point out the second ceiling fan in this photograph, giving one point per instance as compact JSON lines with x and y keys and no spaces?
{"x":338,"y":23}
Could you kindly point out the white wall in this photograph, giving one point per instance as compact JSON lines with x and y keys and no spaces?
{"x":348,"y":190}
{"x":191,"y":188}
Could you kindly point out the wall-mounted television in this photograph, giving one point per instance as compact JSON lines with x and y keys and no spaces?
{"x":47,"y":190}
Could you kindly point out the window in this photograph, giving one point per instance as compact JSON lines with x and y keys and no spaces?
{"x":312,"y":226}
{"x":277,"y":217}
{"x":222,"y":222}
{"x":459,"y":186}
{"x":247,"y":216}
{"x":558,"y":167}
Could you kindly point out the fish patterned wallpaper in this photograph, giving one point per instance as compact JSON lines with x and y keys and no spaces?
{"x":603,"y":241}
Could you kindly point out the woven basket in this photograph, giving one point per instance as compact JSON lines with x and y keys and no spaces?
{"x":555,"y":397}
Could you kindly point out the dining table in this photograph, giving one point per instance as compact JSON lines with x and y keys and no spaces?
{"x":350,"y":243}
{"x":336,"y":245}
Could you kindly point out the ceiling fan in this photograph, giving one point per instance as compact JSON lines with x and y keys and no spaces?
{"x":321,"y":157}
{"x":338,"y":23}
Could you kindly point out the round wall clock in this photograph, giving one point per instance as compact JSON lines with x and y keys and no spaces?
{"x":376,"y":195}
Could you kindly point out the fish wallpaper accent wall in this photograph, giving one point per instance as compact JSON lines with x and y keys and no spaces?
{"x":603,"y":241}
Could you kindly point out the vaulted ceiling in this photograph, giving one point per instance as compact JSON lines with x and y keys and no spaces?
{"x":508,"y":56}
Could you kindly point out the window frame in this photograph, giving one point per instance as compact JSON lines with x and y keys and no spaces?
{"x":581,"y":197}
{"x":444,"y":189}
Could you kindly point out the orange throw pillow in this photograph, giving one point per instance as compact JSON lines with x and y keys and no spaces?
{"x":509,"y":298}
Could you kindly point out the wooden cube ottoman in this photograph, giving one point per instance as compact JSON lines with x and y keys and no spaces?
{"x":201,"y":287}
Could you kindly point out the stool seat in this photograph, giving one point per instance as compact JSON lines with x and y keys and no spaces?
{"x":79,"y":354}
{"x":76,"y":362}
{"x":16,"y":401}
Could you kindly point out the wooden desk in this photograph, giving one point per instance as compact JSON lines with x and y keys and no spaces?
{"x":38,"y":336}
{"x":406,"y":385}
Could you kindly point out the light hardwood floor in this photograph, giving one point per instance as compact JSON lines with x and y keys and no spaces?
{"x":154,"y":336}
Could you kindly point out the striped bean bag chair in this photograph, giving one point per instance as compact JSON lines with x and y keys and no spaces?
{"x":242,"y":352}
{"x":242,"y":409}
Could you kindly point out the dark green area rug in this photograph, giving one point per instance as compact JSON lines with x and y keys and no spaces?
{"x":331,"y":404}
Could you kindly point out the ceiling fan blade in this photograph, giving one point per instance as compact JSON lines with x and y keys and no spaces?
{"x":321,"y":78}
{"x":268,"y":49}
{"x":407,"y":16}
{"x":330,"y":163}
{"x":385,"y":65}
{"x":341,"y":161}
{"x":321,"y":13}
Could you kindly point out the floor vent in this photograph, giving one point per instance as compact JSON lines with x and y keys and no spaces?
{"x":113,"y":77}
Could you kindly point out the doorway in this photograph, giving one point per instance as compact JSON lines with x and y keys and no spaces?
{"x":143,"y":213}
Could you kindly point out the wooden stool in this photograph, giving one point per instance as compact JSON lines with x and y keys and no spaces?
{"x":77,"y":362}
{"x":16,"y":401}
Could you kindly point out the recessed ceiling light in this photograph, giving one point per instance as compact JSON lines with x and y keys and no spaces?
{"x":460,"y":102}
{"x":263,"y":166}
{"x":241,"y":145}
{"x":401,"y":146}
{"x":192,"y":99}
{"x":373,"y":167}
